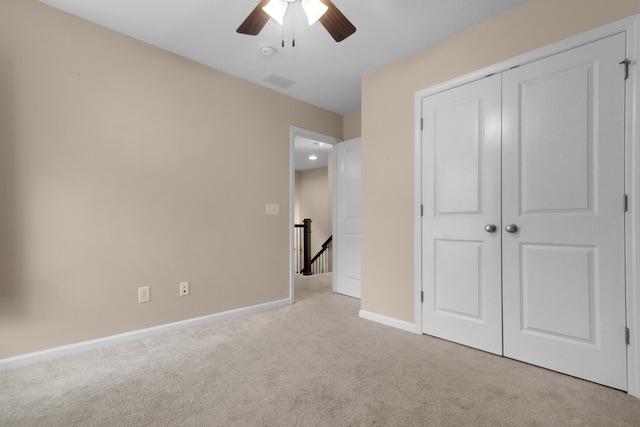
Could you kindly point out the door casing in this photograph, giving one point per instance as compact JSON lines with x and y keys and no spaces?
{"x":631,"y":28}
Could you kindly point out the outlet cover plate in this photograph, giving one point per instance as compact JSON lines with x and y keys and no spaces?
{"x":144,"y":294}
{"x":184,"y":289}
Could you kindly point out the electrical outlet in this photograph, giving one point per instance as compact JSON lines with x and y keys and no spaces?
{"x":144,"y":294}
{"x":184,"y":289}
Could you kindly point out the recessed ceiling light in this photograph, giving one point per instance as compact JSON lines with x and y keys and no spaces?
{"x":313,"y":157}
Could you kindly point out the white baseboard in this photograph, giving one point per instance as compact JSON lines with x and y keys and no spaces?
{"x":66,"y":350}
{"x":389,"y":321}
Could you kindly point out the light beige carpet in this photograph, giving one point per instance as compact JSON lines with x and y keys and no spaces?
{"x":314,"y":363}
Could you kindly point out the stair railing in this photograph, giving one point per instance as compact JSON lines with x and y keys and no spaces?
{"x":321,"y":262}
{"x":304,"y":263}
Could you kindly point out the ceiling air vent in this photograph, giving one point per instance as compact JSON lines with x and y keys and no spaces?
{"x":277,"y":80}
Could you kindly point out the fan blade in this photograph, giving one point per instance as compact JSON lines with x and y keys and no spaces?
{"x":336,"y":23}
{"x":256,"y":20}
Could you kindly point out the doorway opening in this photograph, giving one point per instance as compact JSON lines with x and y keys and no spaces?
{"x":312,"y":193}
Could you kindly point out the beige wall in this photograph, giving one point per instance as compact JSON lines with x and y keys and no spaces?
{"x":314,"y":199}
{"x":123,"y":166}
{"x":388,"y":129}
{"x":352,"y":126}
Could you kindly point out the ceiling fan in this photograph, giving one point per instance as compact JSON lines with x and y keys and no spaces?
{"x":324,"y":11}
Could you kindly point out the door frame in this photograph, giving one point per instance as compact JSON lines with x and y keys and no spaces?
{"x":304,"y":133}
{"x":631,"y":28}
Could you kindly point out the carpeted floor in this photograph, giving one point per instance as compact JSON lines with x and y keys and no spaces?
{"x":314,"y":363}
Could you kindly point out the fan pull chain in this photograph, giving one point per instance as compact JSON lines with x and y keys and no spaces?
{"x":293,"y":31}
{"x":283,"y":21}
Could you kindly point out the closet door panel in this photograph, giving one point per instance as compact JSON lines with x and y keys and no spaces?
{"x":461,"y":196}
{"x":563,"y":187}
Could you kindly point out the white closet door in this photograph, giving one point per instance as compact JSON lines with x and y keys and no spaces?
{"x":563,"y":187}
{"x":461,"y":196}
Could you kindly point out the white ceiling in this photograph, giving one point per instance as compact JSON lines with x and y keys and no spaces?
{"x":325,"y":73}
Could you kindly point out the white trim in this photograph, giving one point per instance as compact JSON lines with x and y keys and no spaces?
{"x":388,"y":321}
{"x":630,"y":26}
{"x":334,"y":220}
{"x":67,"y":350}
{"x":304,"y":133}
{"x":632,"y":157}
{"x":292,"y":214}
{"x":417,"y":214}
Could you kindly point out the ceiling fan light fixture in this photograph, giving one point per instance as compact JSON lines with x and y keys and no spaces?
{"x":336,"y":24}
{"x":276,"y":9}
{"x":314,"y":9}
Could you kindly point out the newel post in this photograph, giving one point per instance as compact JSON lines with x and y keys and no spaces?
{"x":306,"y":271}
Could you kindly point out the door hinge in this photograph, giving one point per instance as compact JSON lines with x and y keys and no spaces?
{"x":421,"y":124}
{"x":626,"y":336}
{"x":421,"y":296}
{"x":626,"y":203}
{"x":626,"y":64}
{"x":421,"y":210}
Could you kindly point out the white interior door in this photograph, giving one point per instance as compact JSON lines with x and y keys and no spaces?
{"x":346,"y":243}
{"x":461,"y":221}
{"x":563,"y":187}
